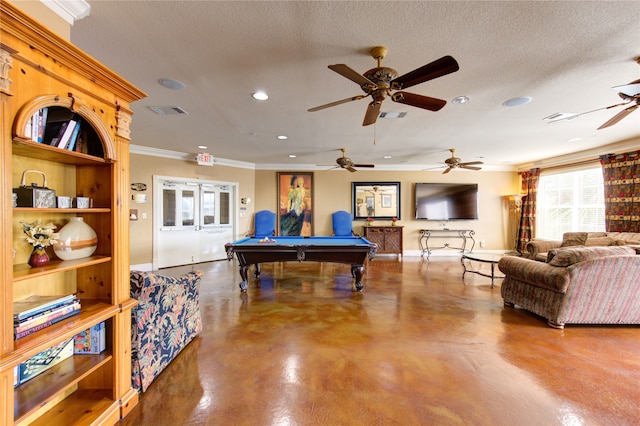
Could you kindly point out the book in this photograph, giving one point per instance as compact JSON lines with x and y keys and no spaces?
{"x":68,"y":131}
{"x":74,"y":137}
{"x":43,"y":361}
{"x":32,"y":305}
{"x":44,"y":325}
{"x":90,"y":341}
{"x":42,"y":122}
{"x":46,"y":316}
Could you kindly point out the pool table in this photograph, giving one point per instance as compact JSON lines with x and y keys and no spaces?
{"x":350,"y":250}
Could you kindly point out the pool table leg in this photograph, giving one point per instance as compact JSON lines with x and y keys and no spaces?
{"x":256,"y":273}
{"x":358,"y":271}
{"x":243,"y":275}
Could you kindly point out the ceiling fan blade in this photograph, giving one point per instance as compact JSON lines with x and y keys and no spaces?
{"x":438,"y":68}
{"x":464,"y":166}
{"x":373,"y":111}
{"x":343,"y":101}
{"x":351,"y":169}
{"x":364,"y":165}
{"x":424,"y":102}
{"x":352,"y":75}
{"x":619,"y":116}
{"x":447,"y":170}
{"x":631,"y":89}
{"x":470,"y":163}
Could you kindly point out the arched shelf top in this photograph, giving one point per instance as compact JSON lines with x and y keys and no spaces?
{"x":72,"y":104}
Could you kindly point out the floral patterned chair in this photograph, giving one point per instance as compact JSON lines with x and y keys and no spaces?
{"x":165,"y":320}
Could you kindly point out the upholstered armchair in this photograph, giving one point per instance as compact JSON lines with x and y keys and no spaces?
{"x":342,"y":224}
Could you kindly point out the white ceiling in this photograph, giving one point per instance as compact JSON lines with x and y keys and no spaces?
{"x":566,"y":55}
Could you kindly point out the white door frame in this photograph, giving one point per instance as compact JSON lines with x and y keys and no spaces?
{"x":158,"y":186}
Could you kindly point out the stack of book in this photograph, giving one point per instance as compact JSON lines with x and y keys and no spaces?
{"x":57,"y":127}
{"x":37,"y":312}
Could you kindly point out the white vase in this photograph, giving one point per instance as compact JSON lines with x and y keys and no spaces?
{"x":76,"y":240}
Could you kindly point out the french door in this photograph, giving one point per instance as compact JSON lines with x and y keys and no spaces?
{"x":193,"y":219}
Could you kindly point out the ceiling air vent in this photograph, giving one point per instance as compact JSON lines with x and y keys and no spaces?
{"x":390,"y":115}
{"x":167,"y":110}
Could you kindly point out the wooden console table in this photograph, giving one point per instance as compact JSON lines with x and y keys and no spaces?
{"x":388,"y":238}
{"x":446,"y":234}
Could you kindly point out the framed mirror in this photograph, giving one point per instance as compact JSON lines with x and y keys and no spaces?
{"x":377,"y":200}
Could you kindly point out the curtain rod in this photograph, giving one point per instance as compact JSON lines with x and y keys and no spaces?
{"x":584,"y":162}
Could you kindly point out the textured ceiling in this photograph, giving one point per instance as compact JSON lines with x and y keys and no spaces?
{"x":566,"y":55}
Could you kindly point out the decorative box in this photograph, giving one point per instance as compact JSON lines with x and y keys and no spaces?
{"x":90,"y":341}
{"x":34,"y":195}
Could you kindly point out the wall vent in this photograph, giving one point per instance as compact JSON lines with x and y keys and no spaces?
{"x":168,"y":110}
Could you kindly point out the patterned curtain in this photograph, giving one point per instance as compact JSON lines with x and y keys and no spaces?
{"x":621,"y":191}
{"x":530,"y":181}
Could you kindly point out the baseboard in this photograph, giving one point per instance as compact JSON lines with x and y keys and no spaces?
{"x":144,"y":267}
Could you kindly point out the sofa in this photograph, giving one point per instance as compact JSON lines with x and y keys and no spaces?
{"x":165,"y":320}
{"x":539,"y":249}
{"x":578,"y":285}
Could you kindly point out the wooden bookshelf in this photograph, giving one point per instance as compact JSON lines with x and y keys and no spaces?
{"x":39,"y":70}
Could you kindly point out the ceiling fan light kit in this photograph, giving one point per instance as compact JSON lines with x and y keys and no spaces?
{"x":381,"y":82}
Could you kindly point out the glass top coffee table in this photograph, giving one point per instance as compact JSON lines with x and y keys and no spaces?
{"x":491,"y":258}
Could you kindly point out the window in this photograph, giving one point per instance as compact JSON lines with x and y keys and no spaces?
{"x":570,"y":202}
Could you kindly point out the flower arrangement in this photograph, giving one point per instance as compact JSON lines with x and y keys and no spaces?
{"x":393,"y":221}
{"x":39,"y":235}
{"x":369,"y":220}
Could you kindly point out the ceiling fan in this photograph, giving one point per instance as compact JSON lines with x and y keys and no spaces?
{"x":345,"y":162}
{"x":630,"y":94}
{"x":381,"y":82}
{"x":454,"y":162}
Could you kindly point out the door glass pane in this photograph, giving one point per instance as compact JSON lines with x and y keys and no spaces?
{"x":225,"y":208}
{"x":168,"y":207}
{"x":188,"y":208}
{"x":209,"y":208}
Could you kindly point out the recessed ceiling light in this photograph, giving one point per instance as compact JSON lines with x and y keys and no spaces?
{"x":292,"y":156}
{"x":283,"y":137}
{"x":261,"y":96}
{"x":517,"y":101}
{"x":574,"y":139}
{"x":460,"y":100}
{"x":202,"y":146}
{"x":171,"y":84}
{"x":386,"y":157}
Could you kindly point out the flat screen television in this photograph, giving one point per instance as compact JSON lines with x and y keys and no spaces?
{"x":446,"y":201}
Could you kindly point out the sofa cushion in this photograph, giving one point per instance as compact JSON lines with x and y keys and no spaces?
{"x":570,"y":255}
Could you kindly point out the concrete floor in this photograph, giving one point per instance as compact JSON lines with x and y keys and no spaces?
{"x":419,"y":346}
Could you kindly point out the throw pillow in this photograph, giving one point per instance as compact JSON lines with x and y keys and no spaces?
{"x":569,"y":256}
{"x":570,"y":239}
{"x":599,"y":241}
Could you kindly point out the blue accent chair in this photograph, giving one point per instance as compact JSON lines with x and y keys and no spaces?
{"x":265,"y":224}
{"x":342,"y":224}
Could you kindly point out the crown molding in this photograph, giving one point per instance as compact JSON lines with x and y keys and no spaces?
{"x":69,"y":10}
{"x":175,"y":155}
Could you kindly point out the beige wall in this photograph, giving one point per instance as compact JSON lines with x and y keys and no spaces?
{"x":42,"y":13}
{"x":332,"y":191}
{"x":144,"y":167}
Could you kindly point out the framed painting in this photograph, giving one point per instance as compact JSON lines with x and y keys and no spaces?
{"x":295,"y":203}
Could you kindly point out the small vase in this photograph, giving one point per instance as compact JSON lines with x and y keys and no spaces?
{"x":38,"y":257}
{"x":393,"y":224}
{"x":76,"y":240}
